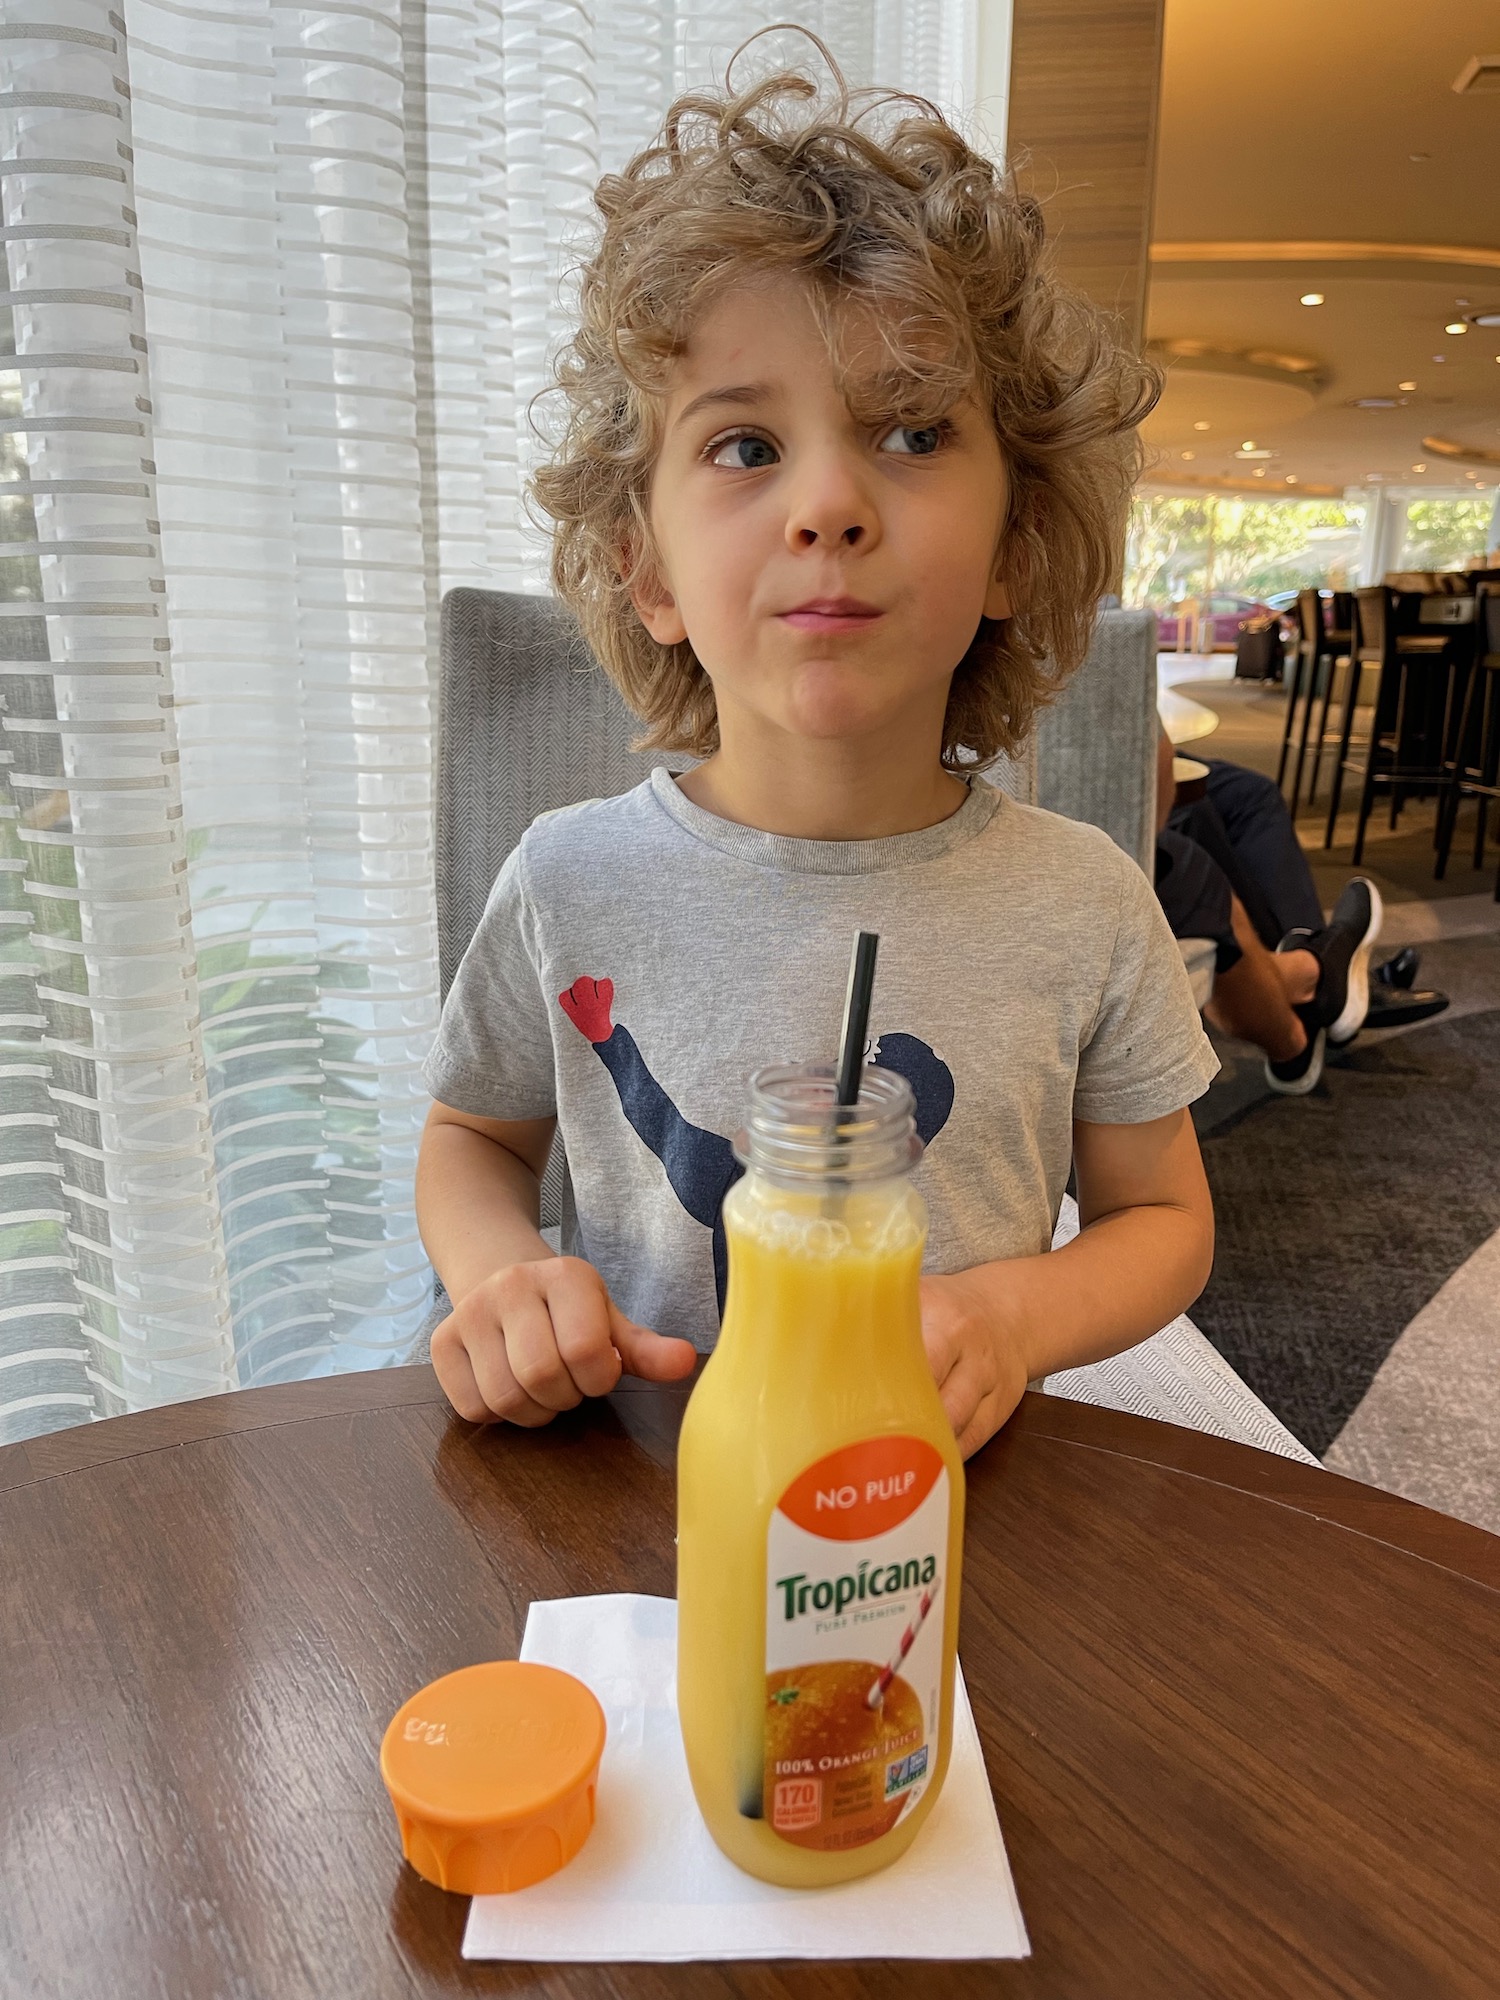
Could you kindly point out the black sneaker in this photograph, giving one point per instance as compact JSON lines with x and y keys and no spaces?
{"x":1300,"y":1075}
{"x":1399,"y":972}
{"x":1396,"y":1007}
{"x":1342,"y":949}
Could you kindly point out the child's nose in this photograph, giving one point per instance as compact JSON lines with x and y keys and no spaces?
{"x":831,"y":509}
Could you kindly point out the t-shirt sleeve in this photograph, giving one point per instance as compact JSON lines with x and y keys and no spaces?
{"x":493,"y":1055}
{"x":1146,"y":1054}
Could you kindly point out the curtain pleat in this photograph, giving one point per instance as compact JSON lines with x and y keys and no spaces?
{"x":113,"y":1281}
{"x":282,"y":285}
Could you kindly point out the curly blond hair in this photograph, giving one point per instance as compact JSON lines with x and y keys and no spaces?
{"x":909,"y":220}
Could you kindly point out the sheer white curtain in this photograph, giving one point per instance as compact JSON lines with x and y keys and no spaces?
{"x":280,"y":283}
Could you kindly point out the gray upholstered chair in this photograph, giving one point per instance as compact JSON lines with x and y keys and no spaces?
{"x":1096,"y":746}
{"x":527,"y":723}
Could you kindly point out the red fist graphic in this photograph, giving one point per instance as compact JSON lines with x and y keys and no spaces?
{"x":587,"y":1003}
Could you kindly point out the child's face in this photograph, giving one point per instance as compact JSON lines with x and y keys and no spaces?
{"x":830,"y":573}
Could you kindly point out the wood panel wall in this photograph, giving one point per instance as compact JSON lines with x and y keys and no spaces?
{"x":1085,"y":81}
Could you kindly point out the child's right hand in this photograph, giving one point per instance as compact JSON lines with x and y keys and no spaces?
{"x":534,"y":1339}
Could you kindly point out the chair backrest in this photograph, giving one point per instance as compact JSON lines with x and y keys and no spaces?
{"x":527,"y":722}
{"x":1096,"y":744}
{"x":1310,"y":617}
{"x":1488,"y":619}
{"x":1372,"y":633}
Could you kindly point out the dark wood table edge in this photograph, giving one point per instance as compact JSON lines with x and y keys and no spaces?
{"x":1327,"y":1496}
{"x":1330,"y":1497}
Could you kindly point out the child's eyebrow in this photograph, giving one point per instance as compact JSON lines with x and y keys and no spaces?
{"x":893,"y":391}
{"x":737,"y":395}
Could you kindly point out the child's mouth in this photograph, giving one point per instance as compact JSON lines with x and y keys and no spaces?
{"x":832,"y":614}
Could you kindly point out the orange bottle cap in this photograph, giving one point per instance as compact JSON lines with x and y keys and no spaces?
{"x":492,"y":1772}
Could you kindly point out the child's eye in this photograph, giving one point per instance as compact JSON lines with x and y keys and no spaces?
{"x":918,"y":442}
{"x":745,"y":453}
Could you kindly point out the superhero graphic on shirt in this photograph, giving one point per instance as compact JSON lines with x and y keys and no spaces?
{"x":700,"y":1166}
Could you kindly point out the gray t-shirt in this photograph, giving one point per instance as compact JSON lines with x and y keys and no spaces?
{"x":638,"y":958}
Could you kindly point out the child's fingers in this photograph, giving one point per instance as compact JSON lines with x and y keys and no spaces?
{"x":942,"y":1330}
{"x":977,"y":1431}
{"x":943,"y":1352}
{"x":535,"y":1363}
{"x":581,"y":1322}
{"x":450,"y":1360}
{"x":962,"y":1394}
{"x":502,"y":1393}
{"x":652,"y":1356}
{"x":977,"y":1402}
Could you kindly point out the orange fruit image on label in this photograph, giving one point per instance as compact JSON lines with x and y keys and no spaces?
{"x":834,"y":1765}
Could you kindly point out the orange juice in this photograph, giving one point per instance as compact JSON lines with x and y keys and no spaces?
{"x":820,"y":1502}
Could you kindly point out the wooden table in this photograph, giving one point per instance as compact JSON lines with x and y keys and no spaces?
{"x":1240,"y":1714}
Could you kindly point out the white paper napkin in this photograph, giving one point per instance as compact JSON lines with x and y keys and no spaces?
{"x":650,"y":1883}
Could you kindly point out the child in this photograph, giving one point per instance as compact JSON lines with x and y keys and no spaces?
{"x":843,"y":470}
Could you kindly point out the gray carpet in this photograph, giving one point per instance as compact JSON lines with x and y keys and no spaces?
{"x":1429,"y":1425}
{"x":1340,"y":1215}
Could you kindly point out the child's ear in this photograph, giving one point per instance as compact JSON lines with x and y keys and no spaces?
{"x":997,"y":602}
{"x":655,"y":606}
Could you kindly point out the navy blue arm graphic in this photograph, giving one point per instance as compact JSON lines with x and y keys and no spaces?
{"x":700,"y":1166}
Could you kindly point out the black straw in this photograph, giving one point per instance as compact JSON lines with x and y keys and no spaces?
{"x":857,"y":1015}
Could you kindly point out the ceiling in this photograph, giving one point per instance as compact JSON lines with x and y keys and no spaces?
{"x":1284,"y":166}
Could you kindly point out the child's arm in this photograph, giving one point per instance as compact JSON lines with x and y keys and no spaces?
{"x":531,"y":1333}
{"x":1142,"y":1255}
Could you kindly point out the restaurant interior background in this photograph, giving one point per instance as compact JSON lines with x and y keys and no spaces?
{"x":228,"y":525}
{"x":1322,"y":287}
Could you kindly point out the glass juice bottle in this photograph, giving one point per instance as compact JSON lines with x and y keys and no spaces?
{"x":820,"y":1500}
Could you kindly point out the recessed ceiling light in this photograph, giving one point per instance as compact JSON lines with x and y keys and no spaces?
{"x":1406,"y":385}
{"x":1200,"y":426}
{"x":1456,"y":326}
{"x":1260,"y":472}
{"x":1312,"y":298}
{"x":1440,"y":357}
{"x":1419,"y":468}
{"x":1419,"y":156}
{"x":1248,"y":444}
{"x":1190,"y":454}
{"x":1291,"y":479}
{"x":1375,"y":403}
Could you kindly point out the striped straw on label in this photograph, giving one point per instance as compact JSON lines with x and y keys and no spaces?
{"x":876,"y":1697}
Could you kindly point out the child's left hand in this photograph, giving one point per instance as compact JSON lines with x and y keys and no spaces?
{"x":977,"y":1363}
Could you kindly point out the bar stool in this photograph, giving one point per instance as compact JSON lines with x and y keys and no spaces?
{"x":1414,"y":673}
{"x":1474,"y":772}
{"x":1340,"y":636}
{"x":1303,"y":682}
{"x":1321,"y":650}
